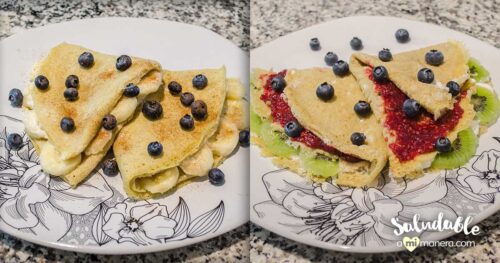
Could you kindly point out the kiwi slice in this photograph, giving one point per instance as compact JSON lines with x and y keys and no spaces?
{"x":318,"y":164}
{"x":486,"y":105}
{"x":275,"y":141}
{"x":464,"y":147}
{"x":477,"y":71}
{"x":255,"y":122}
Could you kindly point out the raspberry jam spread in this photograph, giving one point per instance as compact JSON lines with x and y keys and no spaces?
{"x":413,"y":136}
{"x":282,"y":114}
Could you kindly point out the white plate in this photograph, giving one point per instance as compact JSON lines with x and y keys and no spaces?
{"x":46,"y":211}
{"x":280,"y":200}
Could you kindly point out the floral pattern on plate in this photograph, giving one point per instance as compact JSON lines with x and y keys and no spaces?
{"x":362,"y":216}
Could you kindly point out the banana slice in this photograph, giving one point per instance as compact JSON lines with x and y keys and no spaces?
{"x":225,"y":140}
{"x":198,"y":164}
{"x":124,"y":109}
{"x":236,"y":112}
{"x":236,"y":91}
{"x":52,"y":162}
{"x":161,"y":182}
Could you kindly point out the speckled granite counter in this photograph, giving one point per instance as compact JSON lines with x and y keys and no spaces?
{"x":271,"y":19}
{"x":227,"y":18}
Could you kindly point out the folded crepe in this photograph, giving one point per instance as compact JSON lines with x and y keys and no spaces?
{"x":410,"y":142}
{"x":333,"y":122}
{"x":186,"y":153}
{"x":403,"y":69}
{"x":74,"y":155}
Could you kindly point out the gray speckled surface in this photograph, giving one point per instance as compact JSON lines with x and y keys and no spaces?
{"x":227,"y":18}
{"x":271,"y":19}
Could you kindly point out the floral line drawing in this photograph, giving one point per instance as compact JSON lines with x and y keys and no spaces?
{"x":28,"y":195}
{"x":331,"y":213}
{"x":33,"y":202}
{"x":350,"y":216}
{"x":144,"y":223}
{"x":480,"y":182}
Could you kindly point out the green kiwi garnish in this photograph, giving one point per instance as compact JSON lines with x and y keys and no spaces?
{"x":255,"y":122}
{"x":477,"y":71}
{"x":463,"y":148}
{"x":275,"y":141}
{"x":318,"y":164}
{"x":486,"y":105}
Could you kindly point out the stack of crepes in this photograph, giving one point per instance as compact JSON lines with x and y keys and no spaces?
{"x":324,"y":150}
{"x":74,"y":155}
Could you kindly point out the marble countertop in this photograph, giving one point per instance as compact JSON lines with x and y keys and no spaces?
{"x":227,"y":18}
{"x":271,"y":19}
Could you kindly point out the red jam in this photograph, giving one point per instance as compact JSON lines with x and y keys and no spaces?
{"x":282,"y":114}
{"x":413,"y":136}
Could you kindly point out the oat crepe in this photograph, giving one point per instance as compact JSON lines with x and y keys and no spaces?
{"x":73,"y":155}
{"x":403,"y":69}
{"x":333,"y":121}
{"x":186,"y":153}
{"x":412,"y":163}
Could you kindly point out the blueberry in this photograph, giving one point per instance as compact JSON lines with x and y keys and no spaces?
{"x":411,"y":108}
{"x":443,"y":145}
{"x":380,"y":74}
{"x":67,"y":124}
{"x":314,"y":44}
{"x":293,"y":129}
{"x":434,"y":57}
{"x":131,"y":90}
{"x":331,"y":58}
{"x":72,"y":81}
{"x":71,"y":94}
{"x":123,"y":62}
{"x":15,"y":141}
{"x":41,"y":82}
{"x":186,"y":122}
{"x":152,"y":109}
{"x":357,"y":138}
{"x":199,"y":109}
{"x":244,"y":138}
{"x":174,"y":87}
{"x":200,"y":81}
{"x":385,"y":55}
{"x":356,"y":43}
{"x":362,"y":108}
{"x":216,"y":176}
{"x":325,"y":91}
{"x":453,"y":88}
{"x":109,"y":122}
{"x":155,"y":148}
{"x":86,"y":60}
{"x":16,"y":97}
{"x":187,"y":98}
{"x":425,"y":75}
{"x":402,"y":35}
{"x":340,"y":68}
{"x":278,"y":83}
{"x":110,"y":167}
